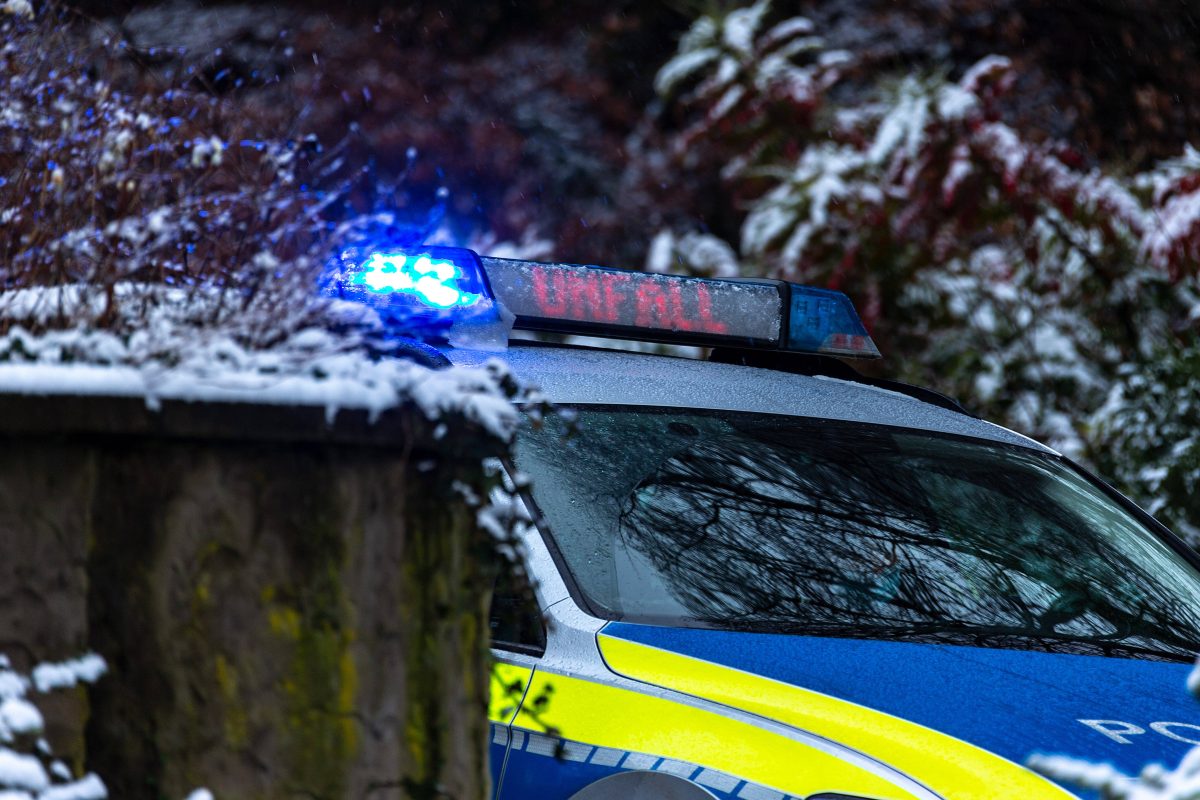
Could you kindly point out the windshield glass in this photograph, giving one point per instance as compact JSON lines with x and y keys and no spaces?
{"x":769,"y":523}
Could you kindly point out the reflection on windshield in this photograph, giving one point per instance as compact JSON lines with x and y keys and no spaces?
{"x":768,"y":523}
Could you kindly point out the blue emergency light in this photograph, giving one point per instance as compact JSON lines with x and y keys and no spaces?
{"x":431,"y":277}
{"x":599,"y":301}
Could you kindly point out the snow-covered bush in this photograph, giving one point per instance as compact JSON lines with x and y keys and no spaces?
{"x":151,"y":186}
{"x":28,"y":768}
{"x":761,"y":84}
{"x":1002,"y":270}
{"x":1151,"y":427}
{"x":99,"y":186}
{"x":162,"y":231}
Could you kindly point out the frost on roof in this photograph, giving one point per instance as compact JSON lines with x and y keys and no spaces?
{"x":578,"y":376}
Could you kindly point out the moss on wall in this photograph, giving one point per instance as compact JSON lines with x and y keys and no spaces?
{"x":281,"y":618}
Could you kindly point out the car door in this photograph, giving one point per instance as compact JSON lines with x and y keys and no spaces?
{"x":518,"y":640}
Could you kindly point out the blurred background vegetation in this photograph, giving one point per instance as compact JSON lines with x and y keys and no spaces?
{"x":1006,"y":187}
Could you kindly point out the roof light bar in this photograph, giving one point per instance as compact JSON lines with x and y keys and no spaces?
{"x":599,"y":301}
{"x":451,"y":289}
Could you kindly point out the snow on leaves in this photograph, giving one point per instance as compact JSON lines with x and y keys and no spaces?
{"x":695,"y":253}
{"x":1003,"y":270}
{"x":1151,"y":419}
{"x":102,"y":185}
{"x":735,"y":72}
{"x":17,"y":8}
{"x":1173,"y":239}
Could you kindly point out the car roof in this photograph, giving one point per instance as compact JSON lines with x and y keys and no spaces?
{"x":571,"y":375}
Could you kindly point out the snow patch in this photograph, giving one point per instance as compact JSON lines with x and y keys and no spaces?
{"x":207,"y":152}
{"x":22,"y":772}
{"x":168,"y":356}
{"x":682,"y":67}
{"x":67,"y":674}
{"x":89,"y":787}
{"x":19,"y":718}
{"x":12,"y":684}
{"x":18,"y":8}
{"x":741,"y":25}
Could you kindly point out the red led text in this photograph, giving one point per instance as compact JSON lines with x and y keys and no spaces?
{"x":643,"y":301}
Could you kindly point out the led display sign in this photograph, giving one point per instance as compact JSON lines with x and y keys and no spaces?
{"x":615,"y":302}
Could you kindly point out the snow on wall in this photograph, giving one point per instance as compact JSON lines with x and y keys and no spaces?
{"x":169,"y":354}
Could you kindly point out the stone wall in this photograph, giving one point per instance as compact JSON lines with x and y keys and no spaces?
{"x":288,"y":608}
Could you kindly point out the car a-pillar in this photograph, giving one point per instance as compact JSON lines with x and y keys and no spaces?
{"x":288,"y":606}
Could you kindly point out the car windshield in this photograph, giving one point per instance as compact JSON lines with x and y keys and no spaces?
{"x":783,"y":524}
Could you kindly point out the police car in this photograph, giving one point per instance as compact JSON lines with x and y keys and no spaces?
{"x":764,"y":575}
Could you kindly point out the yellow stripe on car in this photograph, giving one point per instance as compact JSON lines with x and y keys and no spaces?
{"x":508,"y":686}
{"x":607,"y":716}
{"x":949,"y":766}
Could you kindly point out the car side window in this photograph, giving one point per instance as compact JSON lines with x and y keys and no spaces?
{"x":515,"y":619}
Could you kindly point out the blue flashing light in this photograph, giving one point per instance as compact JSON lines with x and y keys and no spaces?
{"x":434,"y":294}
{"x":424,"y":280}
{"x":436,"y":282}
{"x":825,"y":321}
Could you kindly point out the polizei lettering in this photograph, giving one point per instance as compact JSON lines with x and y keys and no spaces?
{"x":1122,"y":732}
